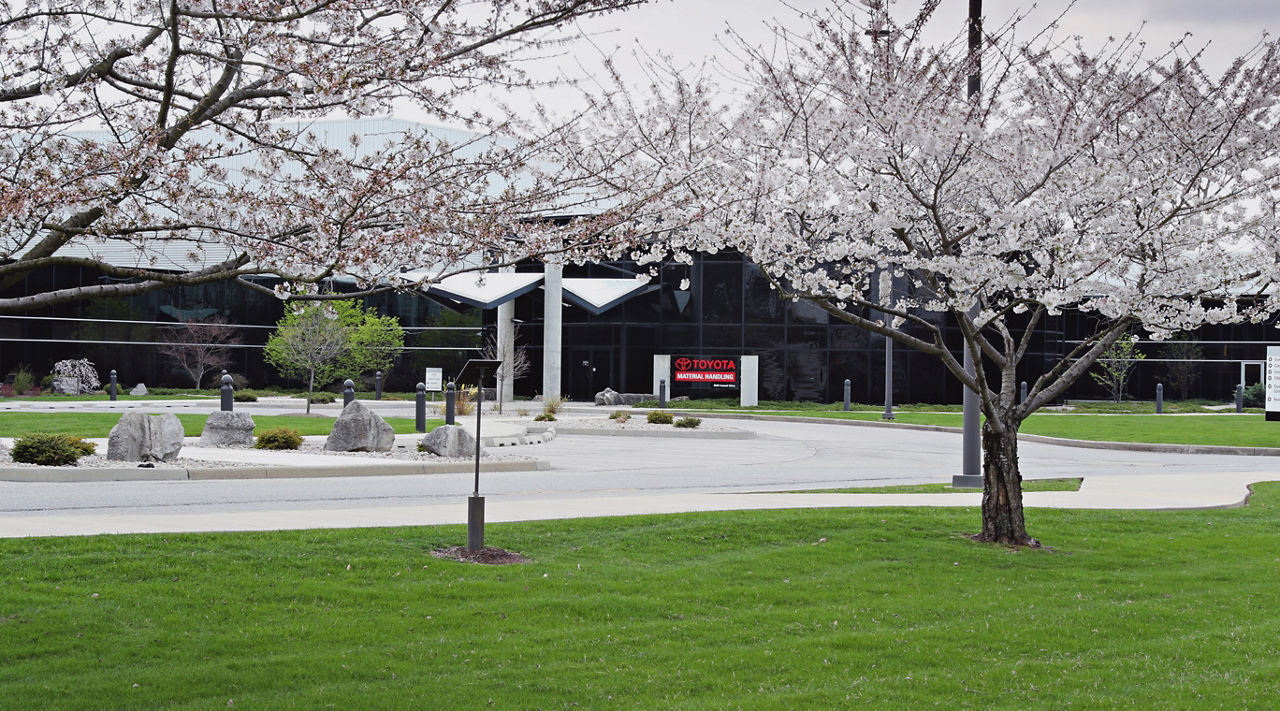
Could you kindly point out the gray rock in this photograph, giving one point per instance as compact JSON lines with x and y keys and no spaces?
{"x":359,"y":429}
{"x":145,"y":438}
{"x":66,"y":386}
{"x":138,"y":389}
{"x":227,"y":429}
{"x":608,"y":397}
{"x":450,"y":441}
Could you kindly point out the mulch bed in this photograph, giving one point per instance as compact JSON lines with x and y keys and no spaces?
{"x":484,"y":556}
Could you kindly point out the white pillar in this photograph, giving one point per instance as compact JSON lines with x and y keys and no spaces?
{"x":749,"y":385}
{"x":551,"y":345}
{"x":507,"y":348}
{"x":662,"y":371}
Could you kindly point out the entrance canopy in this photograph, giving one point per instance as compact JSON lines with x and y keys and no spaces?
{"x":600,"y":295}
{"x":482,"y":290}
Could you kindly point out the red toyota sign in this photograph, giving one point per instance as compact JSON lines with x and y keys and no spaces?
{"x":705,"y":371}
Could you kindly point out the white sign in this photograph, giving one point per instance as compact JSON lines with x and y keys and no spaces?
{"x":1271,"y":376}
{"x":434,"y":380}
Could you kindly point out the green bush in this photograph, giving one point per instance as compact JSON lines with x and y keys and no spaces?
{"x":322,"y":398}
{"x":687,"y":422}
{"x":245,"y":396}
{"x":658,"y":417}
{"x":51,"y":450}
{"x":1254,"y":396}
{"x":23,"y":380}
{"x":279,"y":438}
{"x":545,"y":417}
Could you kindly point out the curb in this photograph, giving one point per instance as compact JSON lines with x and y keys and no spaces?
{"x":674,"y":433}
{"x":1024,"y":437}
{"x":74,"y":474}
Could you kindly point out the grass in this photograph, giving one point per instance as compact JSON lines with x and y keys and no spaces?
{"x":1028,"y":485}
{"x":1078,"y":406}
{"x":881,"y":608}
{"x":99,"y":424}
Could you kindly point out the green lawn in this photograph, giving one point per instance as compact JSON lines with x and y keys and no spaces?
{"x":855,"y":608}
{"x":1028,"y":485}
{"x":1230,"y":429}
{"x":99,"y":424}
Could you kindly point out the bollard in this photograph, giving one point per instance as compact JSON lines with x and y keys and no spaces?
{"x":450,"y":395}
{"x":848,"y":392}
{"x":1023,"y":392}
{"x":114,"y":388}
{"x":1239,"y":398}
{"x":662,"y":393}
{"x":1159,"y":398}
{"x":348,"y":392}
{"x":377,"y":385}
{"x":228,"y":393}
{"x":420,"y":409}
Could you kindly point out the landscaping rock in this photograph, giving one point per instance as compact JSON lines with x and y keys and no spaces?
{"x":608,"y":397}
{"x":450,"y":441}
{"x":145,"y":438}
{"x":66,"y":386}
{"x":227,"y":429}
{"x":359,"y":429}
{"x":138,"y":389}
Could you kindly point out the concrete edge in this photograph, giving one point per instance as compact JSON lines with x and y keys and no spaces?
{"x":674,"y":433}
{"x":73,"y":474}
{"x":1025,"y":437}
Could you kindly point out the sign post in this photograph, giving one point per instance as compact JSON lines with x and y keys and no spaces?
{"x":476,"y":370}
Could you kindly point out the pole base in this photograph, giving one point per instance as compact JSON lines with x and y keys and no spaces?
{"x":966,"y":481}
{"x":475,"y":522}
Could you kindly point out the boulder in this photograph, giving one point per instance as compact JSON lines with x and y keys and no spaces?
{"x":359,"y":429}
{"x":145,"y":438}
{"x":450,"y":441}
{"x":138,"y":389}
{"x":608,"y":397}
{"x":227,"y":429}
{"x":63,"y":385}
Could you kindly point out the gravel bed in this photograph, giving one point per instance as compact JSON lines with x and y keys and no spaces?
{"x":100,"y":461}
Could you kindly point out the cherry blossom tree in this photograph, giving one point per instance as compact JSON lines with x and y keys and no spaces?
{"x":198,"y":347}
{"x":1137,"y":189}
{"x":184,"y":134}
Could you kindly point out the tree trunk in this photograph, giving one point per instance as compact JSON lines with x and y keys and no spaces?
{"x":1002,"y":520}
{"x":311,"y":385}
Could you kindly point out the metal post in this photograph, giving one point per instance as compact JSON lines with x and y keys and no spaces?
{"x":228,"y":394}
{"x":1159,"y":398}
{"x":888,"y":377}
{"x":420,"y":409}
{"x":848,"y":392}
{"x":1023,"y":392}
{"x":114,"y":389}
{"x":970,"y":476}
{"x":377,"y":385}
{"x":1239,"y":398}
{"x":662,"y":393}
{"x":475,"y":504}
{"x":450,"y":397}
{"x":348,"y":392}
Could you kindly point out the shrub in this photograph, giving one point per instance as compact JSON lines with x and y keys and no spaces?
{"x":1254,"y":396}
{"x":658,"y":417}
{"x":322,"y":398}
{"x":545,"y":417}
{"x":464,"y":400}
{"x":82,"y":370}
{"x":554,"y":405}
{"x":688,"y":422}
{"x":522,"y":412}
{"x":620,"y":416}
{"x":279,"y":438}
{"x":52,"y":450}
{"x":245,"y":396}
{"x":23,"y":380}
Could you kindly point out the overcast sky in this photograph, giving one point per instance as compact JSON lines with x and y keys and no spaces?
{"x":689,"y":30}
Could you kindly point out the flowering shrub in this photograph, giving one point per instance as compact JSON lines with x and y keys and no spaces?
{"x":82,"y":370}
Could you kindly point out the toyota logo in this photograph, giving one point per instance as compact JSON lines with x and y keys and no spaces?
{"x":683,"y":363}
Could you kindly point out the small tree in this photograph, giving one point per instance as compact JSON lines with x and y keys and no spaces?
{"x":1115,"y":366}
{"x":1182,"y":367}
{"x":82,"y":370}
{"x":317,"y":342}
{"x":520,"y":363}
{"x":198,"y":347}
